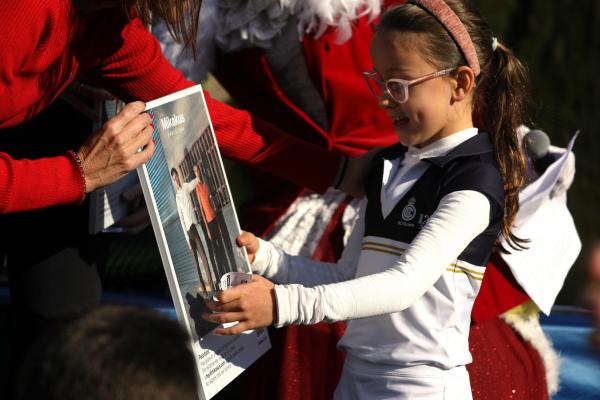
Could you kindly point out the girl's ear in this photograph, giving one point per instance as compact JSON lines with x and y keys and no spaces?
{"x":464,"y":83}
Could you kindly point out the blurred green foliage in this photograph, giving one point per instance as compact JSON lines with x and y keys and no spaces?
{"x":560,"y":43}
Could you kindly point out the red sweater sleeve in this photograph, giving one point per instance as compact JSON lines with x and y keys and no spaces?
{"x":138,"y":71}
{"x":131,"y":66}
{"x":33,"y":184}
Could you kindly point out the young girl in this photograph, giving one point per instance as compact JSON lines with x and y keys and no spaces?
{"x":435,"y":204}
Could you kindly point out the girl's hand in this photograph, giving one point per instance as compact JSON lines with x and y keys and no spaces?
{"x":114,"y":150}
{"x":250,"y":242}
{"x":252,"y":304}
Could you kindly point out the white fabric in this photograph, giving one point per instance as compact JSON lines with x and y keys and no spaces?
{"x":545,"y":220}
{"x":398,"y":179}
{"x":249,"y":23}
{"x":184,"y":205}
{"x":315,"y":16}
{"x":364,"y":381}
{"x":529,"y":328}
{"x":300,"y":229}
{"x":238,"y":24}
{"x":387,"y":284}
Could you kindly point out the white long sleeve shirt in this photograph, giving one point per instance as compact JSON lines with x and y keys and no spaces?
{"x":405,"y":299}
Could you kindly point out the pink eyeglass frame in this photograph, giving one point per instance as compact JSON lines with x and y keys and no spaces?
{"x":372,"y":75}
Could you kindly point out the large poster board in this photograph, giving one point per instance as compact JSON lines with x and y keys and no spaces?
{"x":196,"y":226}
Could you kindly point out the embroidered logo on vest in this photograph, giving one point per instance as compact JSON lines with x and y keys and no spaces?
{"x":409,"y":211}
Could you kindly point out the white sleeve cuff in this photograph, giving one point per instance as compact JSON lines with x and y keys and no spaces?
{"x":262,"y":258}
{"x":287,"y":301}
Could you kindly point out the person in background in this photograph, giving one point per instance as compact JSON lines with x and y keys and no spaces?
{"x":593,"y":291}
{"x":217,"y":247}
{"x":111,"y":353}
{"x":189,"y":223}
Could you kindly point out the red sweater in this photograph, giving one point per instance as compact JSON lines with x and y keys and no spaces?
{"x":45,"y":45}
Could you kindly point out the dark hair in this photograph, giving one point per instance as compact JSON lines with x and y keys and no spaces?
{"x":111,"y":353}
{"x":200,"y":176}
{"x":174,"y":172}
{"x":501,"y":93}
{"x":180,"y":16}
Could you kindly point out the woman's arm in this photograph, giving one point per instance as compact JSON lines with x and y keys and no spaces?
{"x":138,"y":71}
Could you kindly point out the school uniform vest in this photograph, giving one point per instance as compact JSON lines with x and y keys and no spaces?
{"x":434,"y":330}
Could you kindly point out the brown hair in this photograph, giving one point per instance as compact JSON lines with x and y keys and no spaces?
{"x":112,"y":352}
{"x":180,"y":16}
{"x":501,"y":93}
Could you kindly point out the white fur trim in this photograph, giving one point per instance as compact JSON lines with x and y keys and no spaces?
{"x":530,"y":329}
{"x":315,"y":16}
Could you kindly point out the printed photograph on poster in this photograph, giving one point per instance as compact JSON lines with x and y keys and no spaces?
{"x":199,"y":205}
{"x":194,"y":220}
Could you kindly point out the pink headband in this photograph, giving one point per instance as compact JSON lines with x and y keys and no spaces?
{"x":444,"y":14}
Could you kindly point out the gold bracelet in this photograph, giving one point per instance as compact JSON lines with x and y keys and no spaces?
{"x":80,"y":165}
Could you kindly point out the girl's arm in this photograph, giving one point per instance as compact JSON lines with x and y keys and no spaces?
{"x":459,"y":218}
{"x":280,"y":267}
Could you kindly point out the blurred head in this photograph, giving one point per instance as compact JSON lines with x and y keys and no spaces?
{"x":593,"y":262}
{"x":593,"y":287}
{"x":197,"y":172}
{"x":111,"y":353}
{"x":410,"y":42}
{"x":175,"y":178}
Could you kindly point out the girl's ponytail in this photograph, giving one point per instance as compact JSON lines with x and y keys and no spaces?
{"x":501,"y":93}
{"x":501,"y":101}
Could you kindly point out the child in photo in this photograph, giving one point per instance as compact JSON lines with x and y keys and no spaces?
{"x":434,"y":208}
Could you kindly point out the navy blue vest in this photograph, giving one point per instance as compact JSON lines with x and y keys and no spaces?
{"x":469,"y":166}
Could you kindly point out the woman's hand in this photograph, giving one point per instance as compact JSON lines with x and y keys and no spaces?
{"x":250,"y":242}
{"x":357,"y":169}
{"x":252,"y":304}
{"x":114,"y":150}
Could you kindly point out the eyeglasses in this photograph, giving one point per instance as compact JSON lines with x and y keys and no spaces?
{"x":397,"y":89}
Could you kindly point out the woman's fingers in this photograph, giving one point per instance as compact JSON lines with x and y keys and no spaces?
{"x":132,"y":130}
{"x":140,"y":142}
{"x":121,"y":145}
{"x":128,"y":113}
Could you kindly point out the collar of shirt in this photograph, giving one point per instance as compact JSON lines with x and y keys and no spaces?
{"x":414,"y":155}
{"x":442,"y":146}
{"x":400,"y":174}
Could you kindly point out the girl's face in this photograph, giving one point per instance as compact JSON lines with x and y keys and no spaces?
{"x":427,"y":115}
